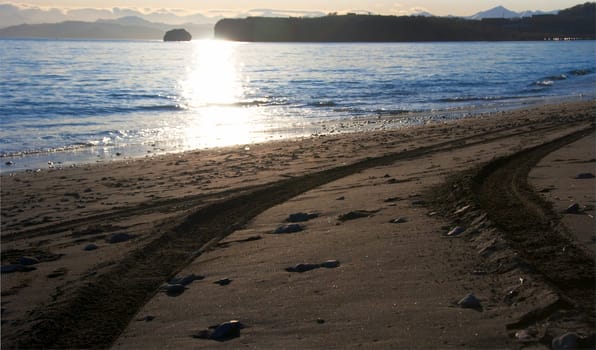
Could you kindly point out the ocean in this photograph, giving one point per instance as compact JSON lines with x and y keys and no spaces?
{"x":66,"y":102}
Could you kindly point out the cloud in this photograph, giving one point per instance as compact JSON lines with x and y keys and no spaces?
{"x":30,"y":14}
{"x":281,"y":13}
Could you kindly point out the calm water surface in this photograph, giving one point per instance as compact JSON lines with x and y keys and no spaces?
{"x":81,"y":101}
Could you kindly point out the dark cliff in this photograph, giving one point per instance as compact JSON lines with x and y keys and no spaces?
{"x":577,"y":22}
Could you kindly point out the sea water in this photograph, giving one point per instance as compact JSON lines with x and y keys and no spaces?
{"x":74,"y":101}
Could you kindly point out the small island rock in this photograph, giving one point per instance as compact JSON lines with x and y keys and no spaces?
{"x":177,"y":35}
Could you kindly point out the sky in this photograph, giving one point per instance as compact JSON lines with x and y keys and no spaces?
{"x":388,"y":7}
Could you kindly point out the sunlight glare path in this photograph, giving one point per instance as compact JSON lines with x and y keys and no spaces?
{"x":214,"y":92}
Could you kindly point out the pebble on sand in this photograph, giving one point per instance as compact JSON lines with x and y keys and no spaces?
{"x":173,"y":289}
{"x":223,"y":281}
{"x":566,"y":341}
{"x":456,"y":231}
{"x":119,"y":237}
{"x":573,"y":209}
{"x":330,"y":264}
{"x":303,"y":267}
{"x":357,"y":214}
{"x":27,"y":260}
{"x":470,"y":302}
{"x":585,"y":176}
{"x":186,"y":280}
{"x":524,"y":336}
{"x":10,"y":268}
{"x":301,"y":217}
{"x":398,"y":221}
{"x":221,"y":332}
{"x":147,"y":318}
{"x":290,"y":228}
{"x":462,"y":209}
{"x":90,"y":247}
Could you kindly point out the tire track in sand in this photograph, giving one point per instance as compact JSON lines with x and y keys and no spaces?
{"x":97,"y":313}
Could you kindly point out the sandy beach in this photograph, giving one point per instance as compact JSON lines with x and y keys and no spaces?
{"x":400,"y":227}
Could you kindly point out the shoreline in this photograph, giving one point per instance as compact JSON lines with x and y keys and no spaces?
{"x":161,"y":200}
{"x":82,"y":155}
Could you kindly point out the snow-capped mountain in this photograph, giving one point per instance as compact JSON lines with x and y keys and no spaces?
{"x":502,"y":12}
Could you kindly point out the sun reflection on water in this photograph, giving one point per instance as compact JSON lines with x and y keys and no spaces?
{"x":213,"y":92}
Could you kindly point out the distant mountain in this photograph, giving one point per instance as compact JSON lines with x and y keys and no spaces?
{"x":577,"y":22}
{"x":422,"y":13}
{"x":502,"y":12}
{"x":130,"y":27}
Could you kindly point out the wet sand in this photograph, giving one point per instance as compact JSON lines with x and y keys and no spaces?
{"x":211,"y":213}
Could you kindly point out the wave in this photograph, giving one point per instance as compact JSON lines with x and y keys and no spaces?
{"x":173,"y":107}
{"x":478,"y":98}
{"x":557,"y":77}
{"x":550,"y":81}
{"x":389,"y":112}
{"x":322,"y":104}
{"x":545,"y":83}
{"x":134,"y":96}
{"x":579,"y":72}
{"x":32,"y":152}
{"x":266,"y":101}
{"x":108,"y":138}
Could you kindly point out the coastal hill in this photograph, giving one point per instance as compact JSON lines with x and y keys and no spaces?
{"x":123,"y":28}
{"x":577,"y":22}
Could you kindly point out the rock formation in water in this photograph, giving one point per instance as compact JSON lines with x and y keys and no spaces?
{"x":177,"y":35}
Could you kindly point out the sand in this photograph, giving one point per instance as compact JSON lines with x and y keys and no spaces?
{"x":397,"y":284}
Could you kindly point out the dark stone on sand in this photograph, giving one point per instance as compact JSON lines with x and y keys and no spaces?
{"x":330,"y":264}
{"x":525,"y":336}
{"x":456,"y":231}
{"x":57,"y":273}
{"x":462,"y":209}
{"x":303,"y":267}
{"x":290,"y":228}
{"x":186,"y":280}
{"x":147,"y":318}
{"x":174,"y":290}
{"x":223,"y":281}
{"x":227,"y":331}
{"x":320,"y":321}
{"x":398,"y":221}
{"x":419,"y":203}
{"x":470,"y":302}
{"x":357,"y":214}
{"x":9,"y":163}
{"x":566,"y":341}
{"x":585,"y":176}
{"x":177,"y":35}
{"x":10,"y":268}
{"x":90,"y":247}
{"x":221,"y":332}
{"x":573,"y":209}
{"x":301,"y":217}
{"x":340,"y":198}
{"x":27,"y":260}
{"x":119,"y":237}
